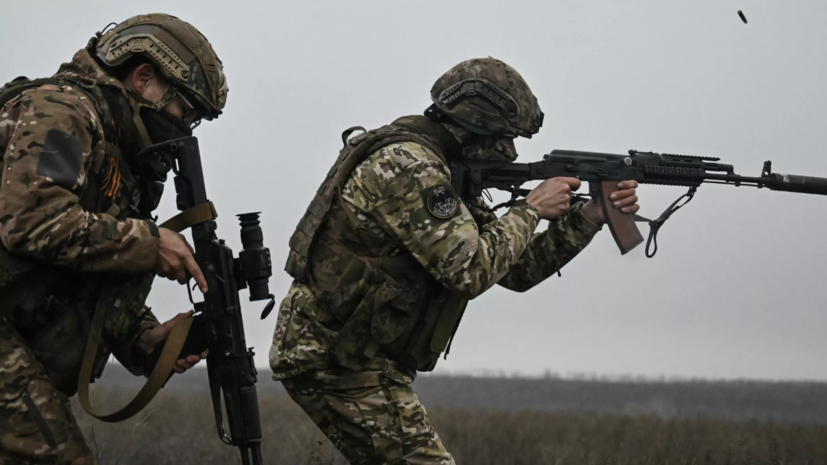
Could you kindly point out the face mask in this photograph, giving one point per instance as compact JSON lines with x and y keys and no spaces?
{"x":162,"y":126}
{"x":481,"y":147}
{"x":492,"y":148}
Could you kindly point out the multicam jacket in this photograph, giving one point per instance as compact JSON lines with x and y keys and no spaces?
{"x":66,"y":217}
{"x":386,"y":217}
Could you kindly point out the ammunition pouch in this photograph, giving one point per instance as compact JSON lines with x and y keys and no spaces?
{"x":384,"y":309}
{"x":434,"y":334}
{"x":355,"y":340}
{"x":387,"y":319}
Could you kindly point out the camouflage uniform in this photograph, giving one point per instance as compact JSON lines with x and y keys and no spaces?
{"x":383,"y":216}
{"x":58,"y":181}
{"x":75,"y":226}
{"x":36,"y":420}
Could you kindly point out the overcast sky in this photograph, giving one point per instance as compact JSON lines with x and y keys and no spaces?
{"x":738,"y":287}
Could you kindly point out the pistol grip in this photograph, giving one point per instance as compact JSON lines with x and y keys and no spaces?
{"x":622,"y":225}
{"x":198,"y":340}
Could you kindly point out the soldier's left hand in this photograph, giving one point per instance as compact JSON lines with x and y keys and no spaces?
{"x":151,"y":338}
{"x":624,"y":199}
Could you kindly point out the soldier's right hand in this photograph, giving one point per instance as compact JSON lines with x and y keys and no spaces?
{"x":175,"y":259}
{"x":552,"y":197}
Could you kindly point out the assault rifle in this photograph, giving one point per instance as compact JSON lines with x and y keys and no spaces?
{"x":218,"y":323}
{"x":603,"y":171}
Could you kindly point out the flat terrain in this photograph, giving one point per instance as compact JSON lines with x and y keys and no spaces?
{"x":502,"y":421}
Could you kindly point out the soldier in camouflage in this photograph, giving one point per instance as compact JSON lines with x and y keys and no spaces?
{"x":75,"y":213}
{"x":387,"y":255}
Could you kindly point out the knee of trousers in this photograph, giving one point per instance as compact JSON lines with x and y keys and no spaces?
{"x":36,"y":420}
{"x":384,"y":423}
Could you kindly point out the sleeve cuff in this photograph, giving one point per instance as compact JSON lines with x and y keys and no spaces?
{"x":587,"y":226}
{"x":526,"y":211}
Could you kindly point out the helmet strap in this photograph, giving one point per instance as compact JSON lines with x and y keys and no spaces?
{"x":136,"y":105}
{"x":165,"y":99}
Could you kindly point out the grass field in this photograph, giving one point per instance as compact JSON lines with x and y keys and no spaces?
{"x":178,"y":429}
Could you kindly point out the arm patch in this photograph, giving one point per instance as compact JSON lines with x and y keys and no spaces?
{"x":442,"y":201}
{"x":60,"y":159}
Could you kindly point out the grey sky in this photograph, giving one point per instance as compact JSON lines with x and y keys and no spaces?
{"x":738,"y":287}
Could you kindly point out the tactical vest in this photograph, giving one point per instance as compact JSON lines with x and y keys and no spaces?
{"x":388,"y":304}
{"x":61,"y":296}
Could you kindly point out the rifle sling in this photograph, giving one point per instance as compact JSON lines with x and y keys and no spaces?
{"x":159,"y":376}
{"x":187,"y":218}
{"x":172,"y":348}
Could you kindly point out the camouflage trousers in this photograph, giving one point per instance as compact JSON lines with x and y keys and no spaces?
{"x":373,"y":418}
{"x":36,"y":421}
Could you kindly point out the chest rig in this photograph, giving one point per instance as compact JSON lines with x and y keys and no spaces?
{"x":380,"y":303}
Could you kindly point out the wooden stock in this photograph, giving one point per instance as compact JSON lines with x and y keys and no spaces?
{"x":622,"y":225}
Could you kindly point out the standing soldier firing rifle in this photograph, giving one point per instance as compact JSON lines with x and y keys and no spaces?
{"x":388,"y":254}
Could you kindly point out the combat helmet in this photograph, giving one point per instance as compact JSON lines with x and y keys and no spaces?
{"x":487,"y":96}
{"x":181,"y":53}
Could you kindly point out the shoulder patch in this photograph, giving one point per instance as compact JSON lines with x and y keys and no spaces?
{"x":60,"y":158}
{"x":442,"y":201}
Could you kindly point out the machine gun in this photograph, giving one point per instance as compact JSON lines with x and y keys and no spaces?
{"x":603,"y":171}
{"x":218,"y":324}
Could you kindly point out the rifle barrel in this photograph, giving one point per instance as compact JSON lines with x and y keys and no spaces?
{"x":774,"y":181}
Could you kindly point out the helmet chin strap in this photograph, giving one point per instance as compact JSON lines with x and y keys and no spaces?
{"x":137,"y":101}
{"x":168,"y":95}
{"x":146,"y":141}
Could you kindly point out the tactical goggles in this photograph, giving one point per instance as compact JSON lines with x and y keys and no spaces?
{"x":190,"y":114}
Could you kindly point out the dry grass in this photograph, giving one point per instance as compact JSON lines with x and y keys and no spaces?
{"x":547,"y":438}
{"x":179,"y":430}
